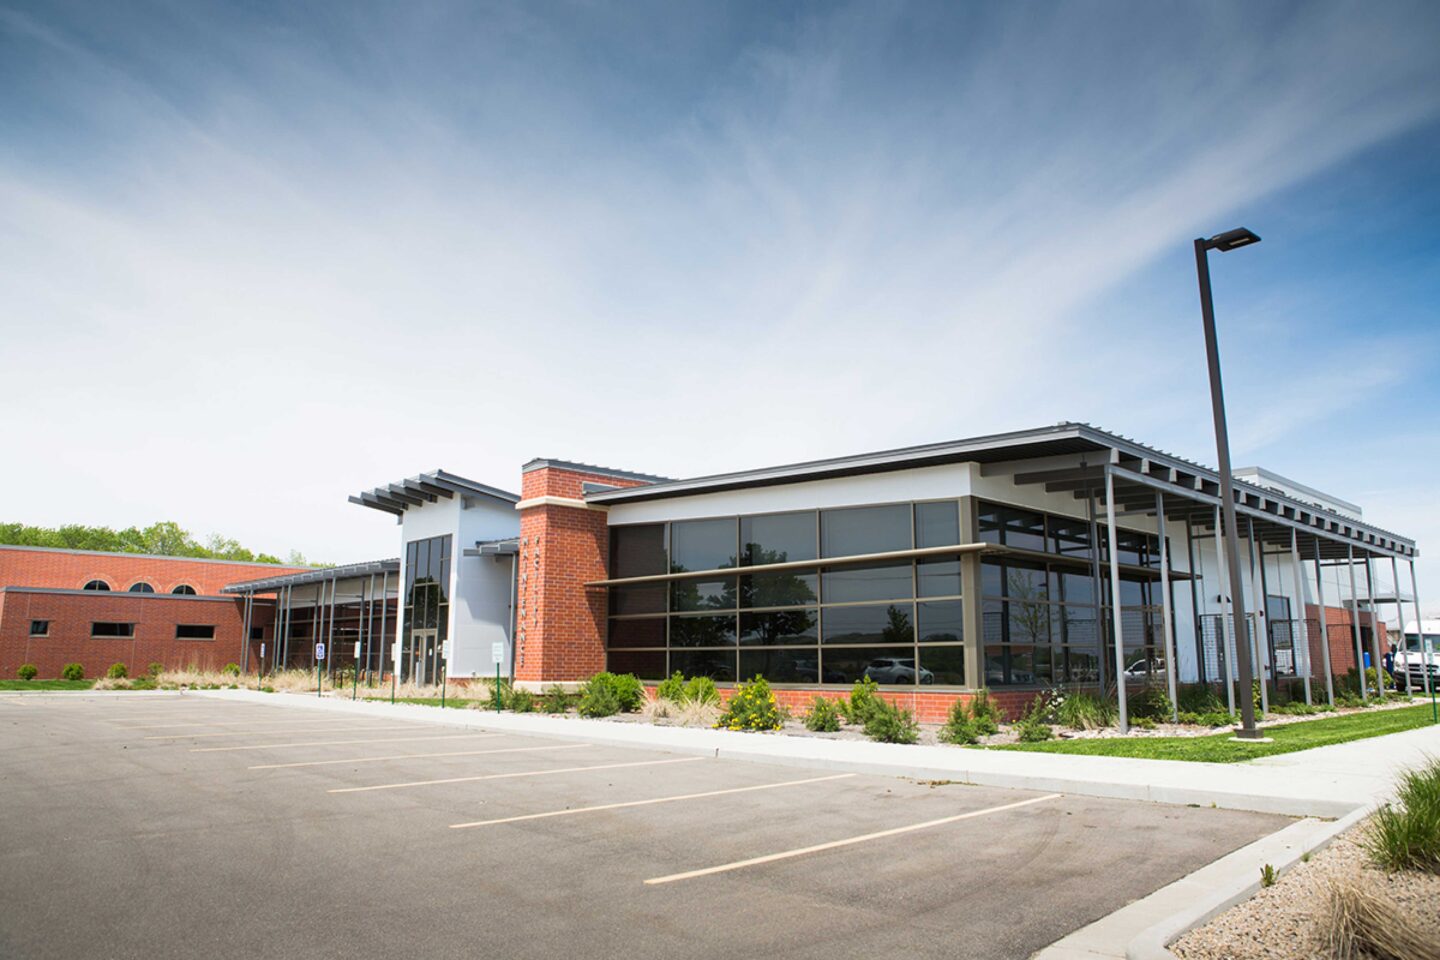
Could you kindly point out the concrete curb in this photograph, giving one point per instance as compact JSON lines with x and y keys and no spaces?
{"x":1156,"y":781}
{"x":1233,"y":879}
{"x":89,"y":693}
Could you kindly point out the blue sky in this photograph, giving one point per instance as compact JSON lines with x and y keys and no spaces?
{"x":261,"y":256}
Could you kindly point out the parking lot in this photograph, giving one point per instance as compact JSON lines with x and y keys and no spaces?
{"x":177,"y":826}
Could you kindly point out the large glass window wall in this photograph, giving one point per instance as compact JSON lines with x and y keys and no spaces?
{"x":897,"y":622}
{"x":1043,"y":625}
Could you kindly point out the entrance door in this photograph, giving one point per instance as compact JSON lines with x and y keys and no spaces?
{"x":423,"y":656}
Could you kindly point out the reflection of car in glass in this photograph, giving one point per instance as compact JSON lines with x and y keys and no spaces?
{"x":995,"y":673}
{"x":808,"y":671}
{"x":896,"y":670}
{"x":1142,"y":669}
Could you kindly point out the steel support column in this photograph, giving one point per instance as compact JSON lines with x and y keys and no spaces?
{"x":1259,"y":637}
{"x":1169,"y":625}
{"x":1324,"y":626}
{"x":1425,"y":645}
{"x":1227,"y":617}
{"x":245,"y":633}
{"x":1115,"y":615}
{"x":330,"y":634}
{"x":1419,"y":623}
{"x":1355,"y":623}
{"x":384,"y":615}
{"x":1298,"y":613}
{"x":1377,"y":626}
{"x":1096,"y":585}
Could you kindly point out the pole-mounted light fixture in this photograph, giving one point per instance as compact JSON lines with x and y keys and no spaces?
{"x":1225,"y":242}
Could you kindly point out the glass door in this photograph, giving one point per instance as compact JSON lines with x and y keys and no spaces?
{"x":422,"y":656}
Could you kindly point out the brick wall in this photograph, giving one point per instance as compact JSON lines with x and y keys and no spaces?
{"x":155,"y":616}
{"x":71,"y":570}
{"x":560,"y":632}
{"x":1342,"y":639}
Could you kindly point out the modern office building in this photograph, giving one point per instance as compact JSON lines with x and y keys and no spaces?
{"x":1060,"y":556}
{"x":1012,"y":562}
{"x":96,"y":609}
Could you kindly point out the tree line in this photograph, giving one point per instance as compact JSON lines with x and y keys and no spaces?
{"x":165,"y":539}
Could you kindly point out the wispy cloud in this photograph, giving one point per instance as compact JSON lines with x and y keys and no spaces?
{"x":358,"y":244}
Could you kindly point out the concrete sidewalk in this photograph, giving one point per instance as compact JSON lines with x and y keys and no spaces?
{"x":1328,"y":782}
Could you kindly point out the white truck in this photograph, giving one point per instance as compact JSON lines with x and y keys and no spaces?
{"x":1418,"y":654}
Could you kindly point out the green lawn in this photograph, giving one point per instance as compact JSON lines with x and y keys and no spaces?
{"x":1218,"y":748}
{"x":455,"y":702}
{"x":46,"y":684}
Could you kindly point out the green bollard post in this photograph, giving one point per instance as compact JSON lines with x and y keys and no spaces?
{"x":319,"y":678}
{"x":444,"y":677}
{"x":497,"y":688}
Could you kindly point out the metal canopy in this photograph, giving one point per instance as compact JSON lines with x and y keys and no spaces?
{"x":1193,"y":494}
{"x":1073,"y":457}
{"x":494,"y":548}
{"x":323,"y":575}
{"x":398,"y":497}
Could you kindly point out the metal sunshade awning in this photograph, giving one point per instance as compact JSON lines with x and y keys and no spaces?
{"x":953,"y":550}
{"x":1192,"y":496}
{"x":396,"y":498}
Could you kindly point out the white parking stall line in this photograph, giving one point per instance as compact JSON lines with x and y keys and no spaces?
{"x":251,"y":733}
{"x":645,"y":803}
{"x":849,"y":841}
{"x":339,"y":743}
{"x":223,"y":723}
{"x":418,"y":756}
{"x":508,"y":776}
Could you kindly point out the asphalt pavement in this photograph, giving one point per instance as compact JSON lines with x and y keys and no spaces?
{"x":178,"y":826}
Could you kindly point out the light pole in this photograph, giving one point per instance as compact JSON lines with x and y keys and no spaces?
{"x":1225,"y":242}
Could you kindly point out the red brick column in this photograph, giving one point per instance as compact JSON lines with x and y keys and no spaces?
{"x":564,"y":544}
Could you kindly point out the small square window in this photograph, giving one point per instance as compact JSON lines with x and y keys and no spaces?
{"x":39,"y":628}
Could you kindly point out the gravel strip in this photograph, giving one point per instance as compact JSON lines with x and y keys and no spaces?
{"x":1284,"y":922}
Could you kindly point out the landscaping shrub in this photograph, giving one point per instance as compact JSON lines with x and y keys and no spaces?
{"x":1082,"y":710}
{"x":155,"y":669}
{"x":72,"y":671}
{"x":598,"y":700}
{"x":861,"y":702}
{"x":824,"y":716}
{"x":27,"y":671}
{"x":1405,"y":835}
{"x":959,"y":728}
{"x":499,"y":696}
{"x":117,"y":671}
{"x":1152,"y":703}
{"x":1359,"y":923}
{"x":233,"y":669}
{"x":752,"y":707}
{"x":1214,"y":719}
{"x":1199,"y":698}
{"x":1031,"y":727}
{"x":888,"y":723}
{"x":672,"y":688}
{"x":522,"y":701}
{"x":985,"y":713}
{"x":606,"y":694}
{"x":556,"y":699}
{"x":699,"y":690}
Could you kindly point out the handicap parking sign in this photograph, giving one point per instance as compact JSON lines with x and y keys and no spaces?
{"x":319,"y":651}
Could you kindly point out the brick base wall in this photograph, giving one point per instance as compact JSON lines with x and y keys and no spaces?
{"x":70,"y":616}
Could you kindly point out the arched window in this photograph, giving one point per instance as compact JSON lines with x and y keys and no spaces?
{"x":96,"y":585}
{"x":141,"y":587}
{"x":184,"y":590}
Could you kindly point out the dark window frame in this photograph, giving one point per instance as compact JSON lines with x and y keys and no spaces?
{"x":44,"y":630}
